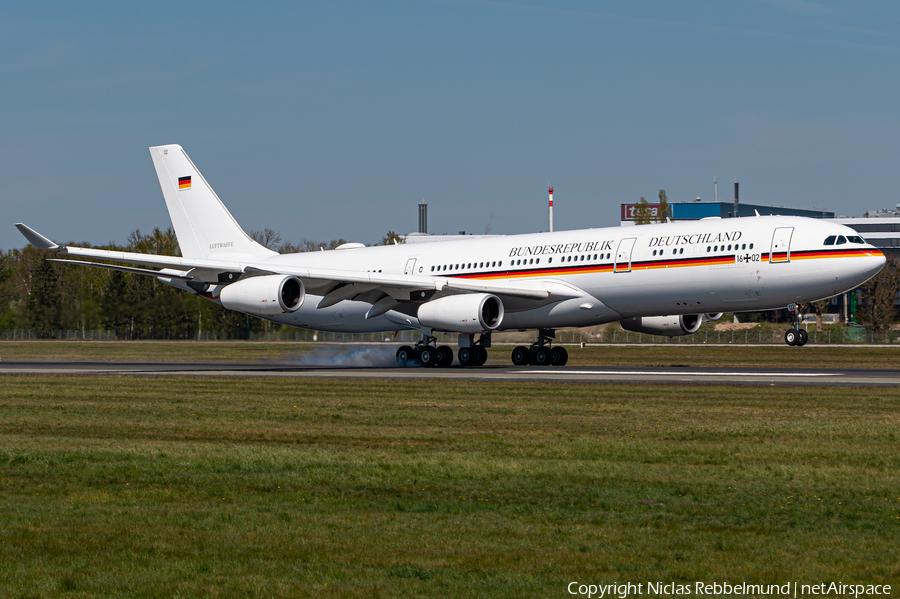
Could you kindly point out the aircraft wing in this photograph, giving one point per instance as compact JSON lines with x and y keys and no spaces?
{"x":334,"y":284}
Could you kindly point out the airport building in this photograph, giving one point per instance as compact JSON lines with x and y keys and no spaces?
{"x":696,"y":210}
{"x":881,"y":228}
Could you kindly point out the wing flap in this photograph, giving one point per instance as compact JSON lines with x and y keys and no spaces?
{"x":167,"y":273}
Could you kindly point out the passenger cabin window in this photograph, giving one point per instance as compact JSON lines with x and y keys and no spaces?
{"x":830,"y":239}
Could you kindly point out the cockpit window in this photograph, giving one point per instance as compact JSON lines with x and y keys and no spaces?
{"x":855,"y":239}
{"x":841,"y":240}
{"x":830,"y":239}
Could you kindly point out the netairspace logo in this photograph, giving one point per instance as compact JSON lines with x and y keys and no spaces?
{"x":719,"y":589}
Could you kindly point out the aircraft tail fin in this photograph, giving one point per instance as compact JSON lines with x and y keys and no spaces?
{"x":204,"y":226}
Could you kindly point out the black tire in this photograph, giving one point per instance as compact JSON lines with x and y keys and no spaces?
{"x":444,"y":356}
{"x":791,"y":337}
{"x":520,"y":356}
{"x":467,"y":356}
{"x":541,"y":357}
{"x":428,"y":357}
{"x":405,"y":354}
{"x":482,"y":356}
{"x":559,"y":356}
{"x":804,"y":337}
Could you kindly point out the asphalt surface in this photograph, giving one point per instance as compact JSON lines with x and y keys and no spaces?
{"x":684,"y":375}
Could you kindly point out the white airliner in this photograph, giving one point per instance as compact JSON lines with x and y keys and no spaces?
{"x":663,"y":279}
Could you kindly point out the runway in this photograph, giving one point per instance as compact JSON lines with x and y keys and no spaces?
{"x":581,"y":374}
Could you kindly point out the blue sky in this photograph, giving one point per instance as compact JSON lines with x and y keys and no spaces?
{"x":335,"y":119}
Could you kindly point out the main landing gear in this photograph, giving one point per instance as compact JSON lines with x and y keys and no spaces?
{"x":795,"y":336}
{"x":540,"y":353}
{"x":427,"y":353}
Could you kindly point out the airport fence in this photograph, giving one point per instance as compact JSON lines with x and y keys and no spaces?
{"x":761,"y":335}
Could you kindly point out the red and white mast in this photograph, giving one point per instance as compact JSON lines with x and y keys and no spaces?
{"x":550,"y":191}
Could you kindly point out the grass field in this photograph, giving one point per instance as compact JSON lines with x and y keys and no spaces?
{"x":145,"y":487}
{"x":846,"y":356}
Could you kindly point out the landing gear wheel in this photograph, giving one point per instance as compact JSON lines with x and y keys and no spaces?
{"x":804,"y":337}
{"x":559,"y":356}
{"x":405,"y":354}
{"x":792,"y":336}
{"x":520,"y":356}
{"x":428,"y":356}
{"x":540,"y":357}
{"x":468,"y":356}
{"x":444,"y":356}
{"x":482,"y":356}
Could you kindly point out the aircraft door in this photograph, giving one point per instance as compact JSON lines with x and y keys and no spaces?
{"x":623,"y":255}
{"x":781,"y":245}
{"x":410,"y":266}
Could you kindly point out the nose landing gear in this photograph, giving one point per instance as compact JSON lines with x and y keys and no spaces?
{"x":795,"y":336}
{"x":540,"y":353}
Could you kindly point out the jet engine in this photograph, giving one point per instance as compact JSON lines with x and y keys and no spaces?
{"x":468,"y":313}
{"x":712,"y":317}
{"x":671,"y":326}
{"x":267,"y":295}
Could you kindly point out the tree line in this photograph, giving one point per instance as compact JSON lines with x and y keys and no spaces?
{"x":46,"y":296}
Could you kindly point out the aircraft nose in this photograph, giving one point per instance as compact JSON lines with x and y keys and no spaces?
{"x":874,"y":262}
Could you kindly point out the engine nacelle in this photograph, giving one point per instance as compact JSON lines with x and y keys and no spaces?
{"x":267,"y":295}
{"x":468,"y":313}
{"x":671,"y":326}
{"x":712,"y":317}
